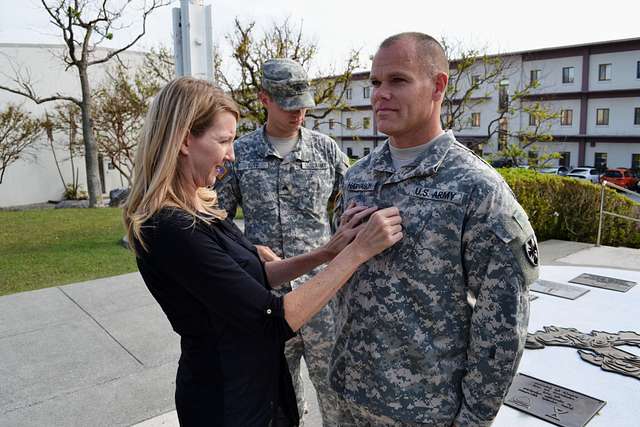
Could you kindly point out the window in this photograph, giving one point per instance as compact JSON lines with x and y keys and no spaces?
{"x":366,"y":92}
{"x":636,"y":116}
{"x":534,"y":120}
{"x":475,"y":120}
{"x":475,"y":80}
{"x":566,"y":117}
{"x":600,"y":161}
{"x":349,"y":152}
{"x":331,"y":123}
{"x":347,"y":93}
{"x":316,"y":123}
{"x":535,"y":77}
{"x":366,"y":151}
{"x":533,"y":158}
{"x":503,"y":95}
{"x":635,"y":161}
{"x":366,"y":122}
{"x":503,"y":134}
{"x":349,"y":123}
{"x":604,"y":72}
{"x":638,"y":70}
{"x":565,"y":159}
{"x":568,"y":74}
{"x":602,"y":116}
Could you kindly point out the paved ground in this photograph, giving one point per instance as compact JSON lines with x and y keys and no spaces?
{"x":101,"y":353}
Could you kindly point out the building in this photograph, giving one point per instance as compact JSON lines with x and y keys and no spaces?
{"x":594,"y":89}
{"x":35,"y":178}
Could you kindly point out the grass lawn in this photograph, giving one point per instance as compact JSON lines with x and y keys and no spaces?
{"x":50,"y":247}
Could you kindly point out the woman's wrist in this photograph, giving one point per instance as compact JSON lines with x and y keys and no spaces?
{"x":356,"y":253}
{"x":325,"y":254}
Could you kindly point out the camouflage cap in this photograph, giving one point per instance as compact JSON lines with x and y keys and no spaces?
{"x":287,"y":83}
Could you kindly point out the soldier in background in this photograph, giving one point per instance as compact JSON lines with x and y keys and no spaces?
{"x":284,"y":177}
{"x":431,"y":331}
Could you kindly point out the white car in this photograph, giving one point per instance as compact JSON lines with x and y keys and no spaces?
{"x":558,"y":170}
{"x":591,"y":174}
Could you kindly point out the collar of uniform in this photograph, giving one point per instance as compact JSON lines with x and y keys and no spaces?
{"x":300,"y":152}
{"x":427,"y":163}
{"x":267,"y":149}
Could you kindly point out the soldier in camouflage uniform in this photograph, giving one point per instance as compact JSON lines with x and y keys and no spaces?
{"x":284,"y":177}
{"x":431,"y":331}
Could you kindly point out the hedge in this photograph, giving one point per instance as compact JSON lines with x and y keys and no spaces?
{"x":569,"y":208}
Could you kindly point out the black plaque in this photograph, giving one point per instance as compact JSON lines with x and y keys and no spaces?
{"x":558,"y":289}
{"x":555,"y":404}
{"x":603,"y":282}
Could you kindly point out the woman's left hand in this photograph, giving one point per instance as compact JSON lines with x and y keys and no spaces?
{"x":351,"y":222}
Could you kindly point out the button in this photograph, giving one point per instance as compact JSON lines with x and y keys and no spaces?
{"x":268,"y":311}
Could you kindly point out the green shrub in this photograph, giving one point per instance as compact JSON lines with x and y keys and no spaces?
{"x":569,"y":208}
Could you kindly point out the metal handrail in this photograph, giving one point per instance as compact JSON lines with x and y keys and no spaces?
{"x":603,"y":212}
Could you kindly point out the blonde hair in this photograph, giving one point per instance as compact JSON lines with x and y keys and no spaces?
{"x":185,"y":105}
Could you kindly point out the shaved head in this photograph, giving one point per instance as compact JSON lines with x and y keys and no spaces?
{"x":427,"y":50}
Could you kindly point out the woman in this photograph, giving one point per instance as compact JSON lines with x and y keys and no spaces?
{"x":208,"y":278}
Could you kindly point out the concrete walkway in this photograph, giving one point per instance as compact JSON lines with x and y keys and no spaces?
{"x":101,"y":353}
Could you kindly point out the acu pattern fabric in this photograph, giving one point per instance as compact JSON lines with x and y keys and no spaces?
{"x":410,"y":344}
{"x":285,"y":207}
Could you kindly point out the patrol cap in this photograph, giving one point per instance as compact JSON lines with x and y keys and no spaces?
{"x":287,"y":83}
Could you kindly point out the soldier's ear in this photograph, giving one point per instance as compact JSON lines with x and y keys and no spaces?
{"x":264,"y":98}
{"x":440,"y":80}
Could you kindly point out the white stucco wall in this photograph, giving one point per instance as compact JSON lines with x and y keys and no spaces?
{"x":35,"y":178}
{"x":623,"y":70}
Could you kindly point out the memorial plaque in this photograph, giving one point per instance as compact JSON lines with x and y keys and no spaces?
{"x":555,"y":404}
{"x":603,"y":282}
{"x":558,"y":289}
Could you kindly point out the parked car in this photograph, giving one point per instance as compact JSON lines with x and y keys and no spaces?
{"x":502,"y":163}
{"x":622,"y":177}
{"x":559,"y":170}
{"x":585,"y":172}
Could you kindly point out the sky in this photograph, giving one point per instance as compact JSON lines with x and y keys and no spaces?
{"x":341,"y":25}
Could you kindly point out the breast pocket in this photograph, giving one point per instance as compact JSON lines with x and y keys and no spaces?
{"x":432,"y":229}
{"x":258,"y":181}
{"x":314,"y":184}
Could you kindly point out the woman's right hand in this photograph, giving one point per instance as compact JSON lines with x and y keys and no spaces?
{"x":383,"y":230}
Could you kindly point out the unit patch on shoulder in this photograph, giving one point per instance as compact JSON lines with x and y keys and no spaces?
{"x":531,"y":251}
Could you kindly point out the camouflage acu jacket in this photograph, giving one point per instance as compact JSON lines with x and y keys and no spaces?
{"x":410,"y":343}
{"x":284,"y":200}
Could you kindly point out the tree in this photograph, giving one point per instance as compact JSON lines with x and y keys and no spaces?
{"x":121,"y":104}
{"x":282,"y":40}
{"x":65,"y":121}
{"x":84,"y":25}
{"x":474,"y":76}
{"x":18,"y":131}
{"x":159,"y":66}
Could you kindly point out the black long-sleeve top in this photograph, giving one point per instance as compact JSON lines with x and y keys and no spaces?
{"x":213,"y":288}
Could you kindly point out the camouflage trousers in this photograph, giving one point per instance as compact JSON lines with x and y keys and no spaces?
{"x":351,"y":414}
{"x":314,"y":341}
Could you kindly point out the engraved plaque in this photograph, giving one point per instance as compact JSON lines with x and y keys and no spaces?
{"x":558,"y":289}
{"x":555,"y":404}
{"x":603,"y":282}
